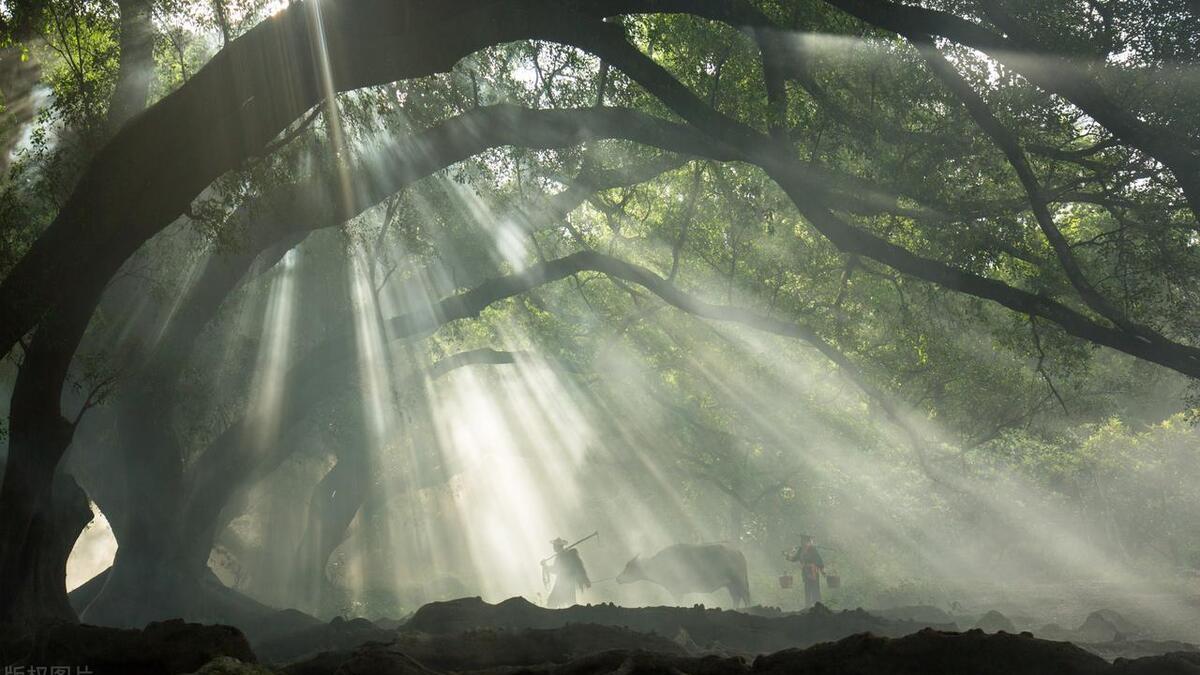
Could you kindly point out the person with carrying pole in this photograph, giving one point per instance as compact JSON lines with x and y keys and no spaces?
{"x":566,"y":567}
{"x":811,"y":568}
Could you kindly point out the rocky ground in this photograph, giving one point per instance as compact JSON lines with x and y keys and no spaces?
{"x":471,"y":636}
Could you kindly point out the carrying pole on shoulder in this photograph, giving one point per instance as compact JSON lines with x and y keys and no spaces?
{"x":568,"y":548}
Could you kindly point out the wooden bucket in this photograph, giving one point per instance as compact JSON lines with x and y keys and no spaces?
{"x":833,"y":580}
{"x":785,"y":581}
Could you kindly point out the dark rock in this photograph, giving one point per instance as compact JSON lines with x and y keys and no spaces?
{"x":1135,"y":649}
{"x":926,"y":614}
{"x":338,"y":635}
{"x":711,"y":629}
{"x":381,"y":659}
{"x":648,"y":663}
{"x":392,"y":624}
{"x":175,"y":647}
{"x":488,"y":648}
{"x":763,"y":610}
{"x":931,"y":652}
{"x":278,"y":624}
{"x":1187,"y":663}
{"x":163,"y":648}
{"x":230,"y":666}
{"x":928,"y":652}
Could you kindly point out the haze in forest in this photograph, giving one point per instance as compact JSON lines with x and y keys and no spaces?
{"x":349,"y":308}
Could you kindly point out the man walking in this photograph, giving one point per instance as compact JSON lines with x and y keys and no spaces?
{"x":569,"y":575}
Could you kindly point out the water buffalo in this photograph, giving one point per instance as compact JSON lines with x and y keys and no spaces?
{"x":693,"y":568}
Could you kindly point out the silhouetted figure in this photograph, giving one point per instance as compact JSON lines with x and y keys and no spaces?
{"x":811,"y":567}
{"x":569,"y":575}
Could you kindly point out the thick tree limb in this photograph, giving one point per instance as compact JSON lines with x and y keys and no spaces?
{"x":136,"y":67}
{"x":1010,"y":145}
{"x":149,"y":173}
{"x":242,"y":124}
{"x":797,"y":181}
{"x":229,"y":111}
{"x":475,"y":357}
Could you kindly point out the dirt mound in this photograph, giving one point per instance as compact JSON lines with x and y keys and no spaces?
{"x":175,"y":648}
{"x":1136,"y":649}
{"x":647,"y":663}
{"x":717,"y":630}
{"x":926,"y":614}
{"x":1165,"y":664}
{"x":277,"y":625}
{"x":767,"y":610}
{"x":931,"y":652}
{"x":373,"y":658}
{"x":928,"y":652}
{"x":163,"y":648}
{"x":489,"y":649}
{"x":337,"y":635}
{"x":230,"y":666}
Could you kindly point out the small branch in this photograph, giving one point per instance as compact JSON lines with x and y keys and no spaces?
{"x":94,"y":396}
{"x":1041,"y":369}
{"x":685,"y":221}
{"x":602,"y":83}
{"x":290,"y":136}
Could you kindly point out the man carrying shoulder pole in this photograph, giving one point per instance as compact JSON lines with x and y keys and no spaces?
{"x":566,"y":567}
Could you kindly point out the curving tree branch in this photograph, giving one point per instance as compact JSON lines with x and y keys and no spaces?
{"x":810,"y":198}
{"x":147,"y":175}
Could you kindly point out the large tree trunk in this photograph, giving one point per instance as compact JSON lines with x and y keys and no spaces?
{"x":33,"y":578}
{"x":336,"y":500}
{"x":142,"y":587}
{"x":161,"y":569}
{"x":32,"y":505}
{"x":159,"y":572}
{"x":136,"y":69}
{"x":41,"y":516}
{"x":146,"y":488}
{"x":151,"y":577}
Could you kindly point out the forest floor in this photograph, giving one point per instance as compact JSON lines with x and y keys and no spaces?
{"x":514,"y":636}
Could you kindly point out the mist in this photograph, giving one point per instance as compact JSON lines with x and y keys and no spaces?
{"x":586,"y":339}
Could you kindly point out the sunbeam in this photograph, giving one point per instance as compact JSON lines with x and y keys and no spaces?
{"x":600,"y":337}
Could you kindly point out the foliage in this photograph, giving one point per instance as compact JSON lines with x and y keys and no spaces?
{"x":760,"y":436}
